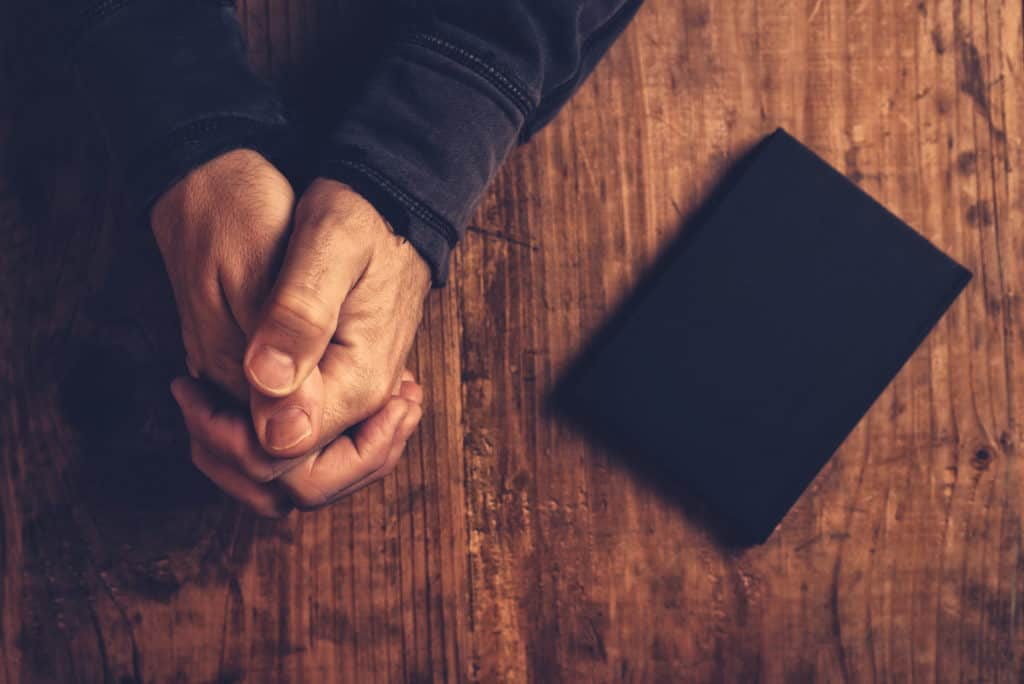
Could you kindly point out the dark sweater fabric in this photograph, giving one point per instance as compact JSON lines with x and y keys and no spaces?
{"x":463,"y":84}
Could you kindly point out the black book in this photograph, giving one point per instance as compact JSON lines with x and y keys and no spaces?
{"x":759,"y":345}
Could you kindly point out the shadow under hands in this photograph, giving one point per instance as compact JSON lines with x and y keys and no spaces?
{"x":93,"y":338}
{"x":153,"y":519}
{"x":114,"y":392}
{"x":89,"y":344}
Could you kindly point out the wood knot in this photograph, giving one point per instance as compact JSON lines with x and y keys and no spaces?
{"x":982,"y":459}
{"x":967,"y":163}
{"x":979,"y":214}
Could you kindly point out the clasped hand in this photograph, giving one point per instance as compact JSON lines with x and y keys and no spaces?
{"x":304,"y":312}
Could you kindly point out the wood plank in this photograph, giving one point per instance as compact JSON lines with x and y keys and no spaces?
{"x":508,"y":546}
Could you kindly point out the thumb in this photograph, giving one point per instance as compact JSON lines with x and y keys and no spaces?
{"x":322,"y":264}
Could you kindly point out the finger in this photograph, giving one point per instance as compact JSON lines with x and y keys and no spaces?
{"x":412,"y":419}
{"x":411,"y":391}
{"x":223,"y":344}
{"x":347,"y":460}
{"x":195,"y":345}
{"x":409,"y":424}
{"x":223,"y":366}
{"x":406,"y":376}
{"x":247,"y":283}
{"x":189,"y":338}
{"x":294,"y":426}
{"x":398,"y":383}
{"x":262,"y":499}
{"x":225,"y":432}
{"x":323,"y":262}
{"x":190,"y":364}
{"x":291,"y":426}
{"x":345,"y":389}
{"x":214,"y":343}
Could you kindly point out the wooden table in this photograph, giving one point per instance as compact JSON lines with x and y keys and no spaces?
{"x":507,"y":547}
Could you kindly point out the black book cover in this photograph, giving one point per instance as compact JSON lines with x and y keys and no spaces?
{"x":762,"y":342}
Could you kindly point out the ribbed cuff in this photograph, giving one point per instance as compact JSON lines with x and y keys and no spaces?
{"x":170,"y":88}
{"x":424,"y":140}
{"x":426,"y":230}
{"x":191,"y":146}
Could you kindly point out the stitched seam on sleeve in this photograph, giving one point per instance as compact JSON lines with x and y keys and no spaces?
{"x":504,"y":82}
{"x":419,"y":209}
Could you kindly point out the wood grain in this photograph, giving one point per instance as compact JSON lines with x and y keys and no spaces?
{"x":508,"y":547}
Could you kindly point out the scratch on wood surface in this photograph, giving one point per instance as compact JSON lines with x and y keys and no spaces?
{"x":509,"y":547}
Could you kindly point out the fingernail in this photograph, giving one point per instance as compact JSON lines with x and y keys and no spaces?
{"x":288,"y":427}
{"x":273,"y":369}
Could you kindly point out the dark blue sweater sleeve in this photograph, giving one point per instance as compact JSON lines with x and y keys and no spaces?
{"x":170,"y":86}
{"x":466,"y":82}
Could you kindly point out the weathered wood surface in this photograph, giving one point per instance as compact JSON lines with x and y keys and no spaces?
{"x":507,"y":547}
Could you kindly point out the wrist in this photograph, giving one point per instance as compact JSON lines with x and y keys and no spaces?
{"x":334,"y":201}
{"x":423,"y":275}
{"x":168,"y":161}
{"x":329,"y":201}
{"x":210,"y":187}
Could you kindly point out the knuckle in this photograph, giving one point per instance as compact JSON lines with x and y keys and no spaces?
{"x":226,"y":361}
{"x":378,"y":391}
{"x":368,"y":392}
{"x":258,"y":471}
{"x":411,"y":414}
{"x":307,"y":496}
{"x":226,"y":372}
{"x":301,"y":313}
{"x":375,"y":451}
{"x":335,"y":206}
{"x":389,"y":468}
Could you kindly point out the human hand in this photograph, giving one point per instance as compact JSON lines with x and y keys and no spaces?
{"x":333,"y":338}
{"x":225,"y":449}
{"x":221,"y":231}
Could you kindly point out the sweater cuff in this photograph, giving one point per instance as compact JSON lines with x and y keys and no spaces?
{"x":191,"y":146}
{"x":171,"y":88}
{"x":424,"y":139}
{"x":429,"y":232}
